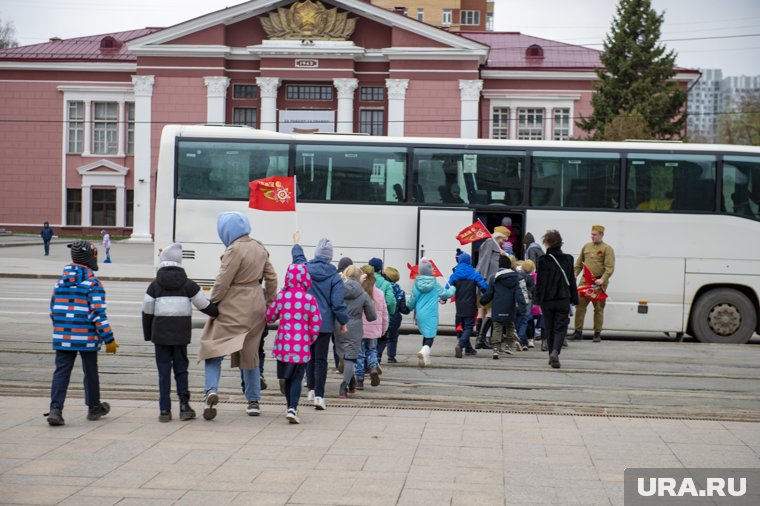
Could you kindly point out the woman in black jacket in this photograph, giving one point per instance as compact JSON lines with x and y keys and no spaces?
{"x":555,"y":292}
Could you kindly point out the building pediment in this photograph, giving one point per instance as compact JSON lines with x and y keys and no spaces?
{"x":299,"y":26}
{"x":103,"y":168}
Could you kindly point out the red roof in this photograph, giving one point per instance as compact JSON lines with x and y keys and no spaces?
{"x":89,"y":48}
{"x":508,"y":51}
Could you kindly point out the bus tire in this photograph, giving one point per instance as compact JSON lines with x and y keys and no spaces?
{"x":723,"y":315}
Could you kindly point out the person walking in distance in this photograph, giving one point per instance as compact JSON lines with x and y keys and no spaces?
{"x":106,"y":245}
{"x":599,"y":257}
{"x":555,"y":292}
{"x":47,"y":234}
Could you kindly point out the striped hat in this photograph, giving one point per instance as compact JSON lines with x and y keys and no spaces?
{"x":84,"y":253}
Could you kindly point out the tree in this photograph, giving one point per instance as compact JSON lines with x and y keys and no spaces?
{"x":741,"y":125}
{"x":637,"y":76}
{"x":627,"y":126}
{"x":7,"y":34}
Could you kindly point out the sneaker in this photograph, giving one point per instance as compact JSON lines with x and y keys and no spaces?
{"x":292,"y":416}
{"x":319,"y":403}
{"x":458,"y":351}
{"x":309,"y":396}
{"x":209,"y":411}
{"x":55,"y":417}
{"x":253,"y":408}
{"x":95,"y":413}
{"x":495,"y":354}
{"x":507,"y":349}
{"x":263,"y":383}
{"x":470,"y":351}
{"x":392,"y":360}
{"x":360,"y":384}
{"x":543,"y":345}
{"x":531,"y":344}
{"x":165,"y":416}
{"x":420,"y":360}
{"x":374,"y":377}
{"x":423,"y":357}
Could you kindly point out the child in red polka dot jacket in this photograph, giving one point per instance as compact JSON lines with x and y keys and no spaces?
{"x":300,"y":321}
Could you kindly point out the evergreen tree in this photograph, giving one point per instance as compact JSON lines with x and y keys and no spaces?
{"x":637,"y":76}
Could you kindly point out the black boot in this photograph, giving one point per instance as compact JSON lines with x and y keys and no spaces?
{"x":478,"y":325}
{"x":577,"y":336}
{"x":55,"y":417}
{"x":96,"y":412}
{"x":597,"y":337}
{"x":185,"y":411}
{"x":485,"y":342}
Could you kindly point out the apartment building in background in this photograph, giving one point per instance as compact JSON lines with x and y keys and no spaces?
{"x":454,"y":15}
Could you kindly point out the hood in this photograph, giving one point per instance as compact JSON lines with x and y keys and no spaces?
{"x":507,"y":277}
{"x":321,"y":269}
{"x":424,"y":283}
{"x":464,"y":258}
{"x":354,"y":289}
{"x":297,"y":277}
{"x":171,"y":277}
{"x":231,"y":225}
{"x":324,"y":249}
{"x":74,"y":274}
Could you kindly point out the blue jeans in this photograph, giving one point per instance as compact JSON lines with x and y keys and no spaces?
{"x":522,"y":329}
{"x":468,"y":323}
{"x":251,"y":378}
{"x":168,"y":358}
{"x":64,"y":363}
{"x":368,"y":355}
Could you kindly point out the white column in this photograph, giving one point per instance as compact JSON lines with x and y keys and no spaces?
{"x":396,"y":100}
{"x":470,"y":97}
{"x":346,"y":89}
{"x":87,"y":141}
{"x":548,"y":121}
{"x":216,"y":99}
{"x":268,"y":90}
{"x":86,"y":206}
{"x":121,"y":129}
{"x":141,"y":214}
{"x":513,"y":123}
{"x":121,"y":200}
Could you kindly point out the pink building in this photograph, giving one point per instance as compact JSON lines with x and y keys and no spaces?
{"x":81,"y":118}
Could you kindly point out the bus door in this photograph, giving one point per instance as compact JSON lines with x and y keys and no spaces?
{"x":494,"y":218}
{"x":437,"y":229}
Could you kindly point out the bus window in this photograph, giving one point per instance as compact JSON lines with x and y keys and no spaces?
{"x":679,"y":182}
{"x":741,"y":186}
{"x":467,"y":176}
{"x":575,"y":179}
{"x":222,"y":170}
{"x":350,"y":173}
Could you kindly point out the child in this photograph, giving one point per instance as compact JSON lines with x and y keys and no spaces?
{"x":394,"y":319}
{"x":300,"y":320}
{"x":348,"y":344}
{"x":106,"y":245}
{"x":167,"y":321}
{"x":372,"y":330}
{"x":466,"y":280}
{"x":525,"y":269}
{"x":505,"y":292}
{"x":424,"y":300}
{"x":80,"y":325}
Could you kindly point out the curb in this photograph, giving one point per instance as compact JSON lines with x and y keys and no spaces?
{"x":56,"y":276}
{"x":30,"y":243}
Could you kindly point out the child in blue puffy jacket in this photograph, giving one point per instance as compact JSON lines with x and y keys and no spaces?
{"x":426,"y":295}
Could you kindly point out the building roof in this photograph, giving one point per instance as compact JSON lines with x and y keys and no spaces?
{"x":104,"y":47}
{"x":508,"y":50}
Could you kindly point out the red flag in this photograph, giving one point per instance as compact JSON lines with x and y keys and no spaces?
{"x":474,"y":232}
{"x":589,"y":290}
{"x":414,"y":270}
{"x":276,"y":193}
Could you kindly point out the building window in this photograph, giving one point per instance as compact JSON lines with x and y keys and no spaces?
{"x":421,"y":14}
{"x":129,"y":222}
{"x":74,"y":206}
{"x":105,"y":128}
{"x":489,"y":21}
{"x":561,"y":124}
{"x":104,"y":207}
{"x":500,"y":128}
{"x":446,"y":17}
{"x":130,"y":113}
{"x":304,"y":92}
{"x":244,"y":116}
{"x":243,"y":91}
{"x":469,"y":18}
{"x":372,"y":94}
{"x":371,"y":121}
{"x":530,"y":124}
{"x":76,"y":127}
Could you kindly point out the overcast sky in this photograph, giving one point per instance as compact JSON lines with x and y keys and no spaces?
{"x":727,"y":32}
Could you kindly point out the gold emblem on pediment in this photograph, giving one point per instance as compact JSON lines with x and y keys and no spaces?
{"x":308,"y":20}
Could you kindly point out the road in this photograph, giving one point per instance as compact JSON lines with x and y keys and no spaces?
{"x":624,"y":375}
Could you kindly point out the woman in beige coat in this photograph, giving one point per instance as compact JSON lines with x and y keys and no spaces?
{"x":242,"y":306}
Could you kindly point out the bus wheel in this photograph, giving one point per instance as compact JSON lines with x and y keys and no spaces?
{"x":723,"y":316}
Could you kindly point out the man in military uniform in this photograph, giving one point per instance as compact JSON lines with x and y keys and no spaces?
{"x":600,"y":259}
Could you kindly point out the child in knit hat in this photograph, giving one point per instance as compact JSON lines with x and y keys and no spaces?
{"x":167,"y":321}
{"x":424,"y":301}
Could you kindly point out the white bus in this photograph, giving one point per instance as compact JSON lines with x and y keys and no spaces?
{"x":683,"y":218}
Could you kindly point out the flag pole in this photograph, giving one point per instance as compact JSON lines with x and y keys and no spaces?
{"x":489,"y":234}
{"x":295,"y":200}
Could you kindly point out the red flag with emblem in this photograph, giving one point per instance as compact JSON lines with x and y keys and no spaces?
{"x":414,"y":270}
{"x":474,"y":232}
{"x":588,"y":290}
{"x":276,"y":193}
